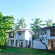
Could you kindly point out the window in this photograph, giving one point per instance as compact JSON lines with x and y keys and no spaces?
{"x":52,"y":32}
{"x":19,"y":33}
{"x":11,"y":35}
{"x":51,"y":44}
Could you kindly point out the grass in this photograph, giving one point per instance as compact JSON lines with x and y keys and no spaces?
{"x":25,"y":51}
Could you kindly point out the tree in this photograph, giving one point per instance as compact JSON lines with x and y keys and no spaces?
{"x":37,"y":30}
{"x":17,"y":27}
{"x":53,"y":24}
{"x":3,"y":38}
{"x":6,"y":23}
{"x":36,"y":22}
{"x":20,"y":24}
{"x":42,"y":38}
{"x":49,"y":22}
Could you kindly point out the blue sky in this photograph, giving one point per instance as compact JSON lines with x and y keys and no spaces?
{"x":28,"y":9}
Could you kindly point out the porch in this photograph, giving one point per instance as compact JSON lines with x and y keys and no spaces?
{"x":19,"y":43}
{"x":51,"y":44}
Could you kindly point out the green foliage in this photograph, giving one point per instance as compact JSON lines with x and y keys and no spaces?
{"x":53,"y":24}
{"x":36,"y":22}
{"x":49,"y":22}
{"x":20,"y":24}
{"x":3,"y":38}
{"x":17,"y":27}
{"x":6,"y":23}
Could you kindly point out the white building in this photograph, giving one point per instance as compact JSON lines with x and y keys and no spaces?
{"x":20,"y":38}
{"x":47,"y":34}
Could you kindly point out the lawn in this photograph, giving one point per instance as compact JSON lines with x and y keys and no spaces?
{"x":24,"y":51}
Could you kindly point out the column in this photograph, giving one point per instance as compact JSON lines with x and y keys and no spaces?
{"x":54,"y":43}
{"x":9,"y":42}
{"x":31,"y":44}
{"x":18,"y":44}
{"x":14,"y":43}
{"x":49,"y":44}
{"x":24,"y":43}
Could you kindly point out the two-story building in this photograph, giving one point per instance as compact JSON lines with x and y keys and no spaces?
{"x":20,"y":38}
{"x":47,"y":35}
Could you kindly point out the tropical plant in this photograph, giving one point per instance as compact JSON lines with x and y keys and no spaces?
{"x":49,"y":23}
{"x":20,"y":24}
{"x":6,"y":23}
{"x":36,"y":22}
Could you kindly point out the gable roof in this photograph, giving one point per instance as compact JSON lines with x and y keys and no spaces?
{"x":21,"y":31}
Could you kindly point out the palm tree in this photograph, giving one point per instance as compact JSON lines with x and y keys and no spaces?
{"x":21,"y":24}
{"x":36,"y":22}
{"x":49,"y":22}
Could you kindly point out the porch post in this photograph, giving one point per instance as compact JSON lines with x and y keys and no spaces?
{"x":24,"y":43}
{"x":14,"y":43}
{"x":54,"y":43}
{"x":49,"y":44}
{"x":31,"y":44}
{"x":9,"y":42}
{"x":18,"y":44}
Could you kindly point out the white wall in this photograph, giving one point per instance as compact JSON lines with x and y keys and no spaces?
{"x":28,"y":36}
{"x":20,"y":37}
{"x":38,"y":45}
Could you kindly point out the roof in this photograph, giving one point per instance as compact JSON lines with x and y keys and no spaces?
{"x":21,"y":31}
{"x":51,"y":27}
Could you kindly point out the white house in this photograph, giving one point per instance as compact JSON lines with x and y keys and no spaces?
{"x":20,"y":38}
{"x":47,"y":35}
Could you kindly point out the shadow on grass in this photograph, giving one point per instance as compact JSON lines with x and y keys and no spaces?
{"x":16,"y":53}
{"x":25,"y":51}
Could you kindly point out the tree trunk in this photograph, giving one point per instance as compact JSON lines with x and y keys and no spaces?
{"x":43,"y":43}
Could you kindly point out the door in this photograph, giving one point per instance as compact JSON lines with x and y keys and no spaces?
{"x":16,"y":43}
{"x":52,"y":45}
{"x":29,"y":44}
{"x":21,"y":43}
